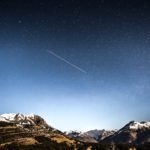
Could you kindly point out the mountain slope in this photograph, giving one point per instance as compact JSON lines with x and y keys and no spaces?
{"x":133,"y":132}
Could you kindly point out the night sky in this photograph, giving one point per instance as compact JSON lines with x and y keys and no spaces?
{"x":109,"y":40}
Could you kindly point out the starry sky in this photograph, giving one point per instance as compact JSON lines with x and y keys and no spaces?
{"x":108,"y":39}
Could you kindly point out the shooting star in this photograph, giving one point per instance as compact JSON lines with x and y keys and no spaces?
{"x":66,"y":61}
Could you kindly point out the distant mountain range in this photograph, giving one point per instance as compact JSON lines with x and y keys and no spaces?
{"x":131,"y":133}
{"x":93,"y":136}
{"x":14,"y":126}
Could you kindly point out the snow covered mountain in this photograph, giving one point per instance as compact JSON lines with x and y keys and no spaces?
{"x":133,"y":132}
{"x":23,"y":120}
{"x":93,"y":136}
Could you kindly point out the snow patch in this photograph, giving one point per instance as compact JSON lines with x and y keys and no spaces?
{"x":139,"y":125}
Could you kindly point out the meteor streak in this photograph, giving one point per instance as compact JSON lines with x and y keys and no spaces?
{"x":66,"y":61}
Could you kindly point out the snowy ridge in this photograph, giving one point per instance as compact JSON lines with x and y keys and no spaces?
{"x":16,"y":117}
{"x":134,"y":125}
{"x":22,"y":120}
{"x":73,"y":131}
{"x":138,"y":125}
{"x":3,"y":119}
{"x":9,"y":117}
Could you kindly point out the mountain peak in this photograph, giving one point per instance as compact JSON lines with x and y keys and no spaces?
{"x":134,"y":125}
{"x":133,"y":132}
{"x":22,"y":119}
